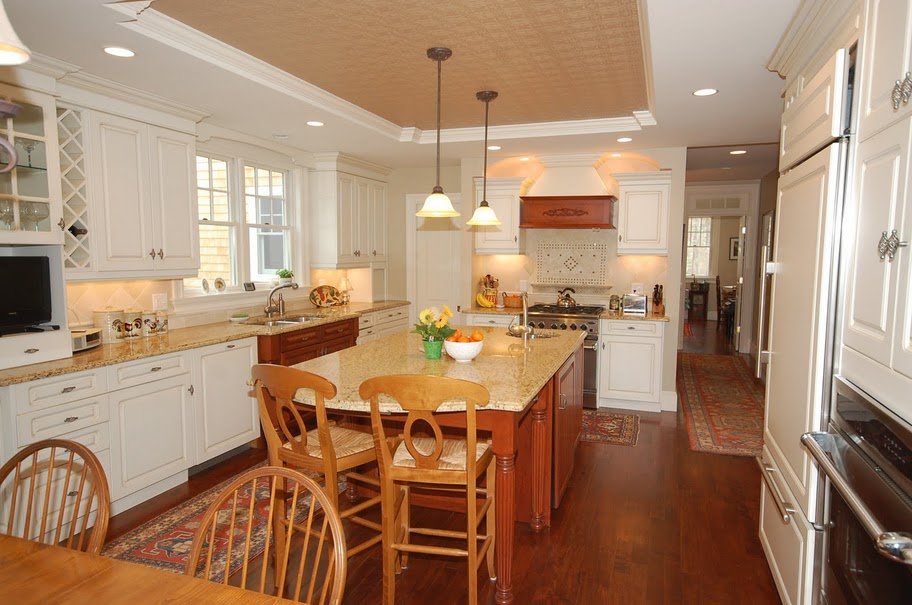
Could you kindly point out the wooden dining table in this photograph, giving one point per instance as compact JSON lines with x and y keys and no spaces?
{"x":33,"y":573}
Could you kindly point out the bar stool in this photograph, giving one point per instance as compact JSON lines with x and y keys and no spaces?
{"x":328,"y":449}
{"x":410,"y":460}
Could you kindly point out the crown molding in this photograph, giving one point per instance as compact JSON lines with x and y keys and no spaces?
{"x":577,"y":160}
{"x":814,"y":23}
{"x":49,"y":66}
{"x":173,"y":33}
{"x":334,"y":160}
{"x":539,"y":129}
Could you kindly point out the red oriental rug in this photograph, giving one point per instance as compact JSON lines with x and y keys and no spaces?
{"x":165,"y":541}
{"x":610,"y":427}
{"x":722,"y":404}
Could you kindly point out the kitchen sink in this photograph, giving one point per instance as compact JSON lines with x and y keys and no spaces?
{"x":284,"y":321}
{"x":537,"y":334}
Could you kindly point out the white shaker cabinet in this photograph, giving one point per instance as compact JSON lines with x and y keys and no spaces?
{"x":642,"y":212}
{"x":378,"y":222}
{"x":225,"y":409}
{"x":886,"y":51}
{"x":144,"y":181}
{"x":630,"y":364}
{"x":503,"y":197}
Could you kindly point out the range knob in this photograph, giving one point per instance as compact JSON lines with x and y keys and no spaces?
{"x":554,"y":326}
{"x":563,"y":326}
{"x":584,"y":328}
{"x":572,"y":326}
{"x":541,"y":324}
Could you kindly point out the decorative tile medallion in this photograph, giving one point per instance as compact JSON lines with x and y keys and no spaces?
{"x":580,"y":263}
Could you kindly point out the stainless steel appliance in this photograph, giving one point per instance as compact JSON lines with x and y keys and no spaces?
{"x":634,"y":304}
{"x":583,"y":318}
{"x":866,"y":455}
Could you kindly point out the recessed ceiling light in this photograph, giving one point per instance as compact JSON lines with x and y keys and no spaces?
{"x":615,"y":155}
{"x":524,"y":159}
{"x":494,"y":148}
{"x":624,"y":140}
{"x":738,"y":152}
{"x":280,"y":136}
{"x":119,"y":51}
{"x":314,"y":123}
{"x":705,"y":92}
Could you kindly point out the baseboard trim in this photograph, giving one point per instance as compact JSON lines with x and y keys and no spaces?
{"x":669,"y":401}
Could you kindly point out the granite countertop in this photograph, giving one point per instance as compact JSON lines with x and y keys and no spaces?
{"x":513,"y":374}
{"x":492,"y":310}
{"x":621,"y":316}
{"x":182,"y":339}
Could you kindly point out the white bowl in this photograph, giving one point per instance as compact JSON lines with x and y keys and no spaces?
{"x":463,"y":352}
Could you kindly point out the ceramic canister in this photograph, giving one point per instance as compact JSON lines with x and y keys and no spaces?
{"x":162,"y":317}
{"x":133,"y":323}
{"x":149,"y":323}
{"x":108,"y":320}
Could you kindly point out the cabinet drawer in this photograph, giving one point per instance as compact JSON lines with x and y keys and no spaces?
{"x":338,"y":330}
{"x":391,"y":315}
{"x":631,"y":328}
{"x":789,"y":548}
{"x":489,"y":320}
{"x":367,"y":320}
{"x":289,"y":358}
{"x":300,"y":338}
{"x":147,"y":370}
{"x":336,"y":344}
{"x":49,"y":392}
{"x":54,"y":422}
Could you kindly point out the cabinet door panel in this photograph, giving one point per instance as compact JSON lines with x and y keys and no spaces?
{"x":503,"y":197}
{"x":378,"y":221}
{"x":361,"y":220}
{"x":880,"y":184}
{"x":347,"y":218}
{"x":643,"y":212}
{"x":126,"y":217}
{"x":886,"y":52}
{"x":151,"y":433}
{"x":174,"y":201}
{"x":629,"y":368}
{"x":226,"y":412}
{"x":566,"y":427}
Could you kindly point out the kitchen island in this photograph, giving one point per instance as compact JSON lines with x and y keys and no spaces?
{"x":527,"y":431}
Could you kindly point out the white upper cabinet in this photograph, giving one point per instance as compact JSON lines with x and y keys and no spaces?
{"x":347,"y":221}
{"x":503,"y":197}
{"x":643,"y":212}
{"x":886,"y":82}
{"x":145,"y":186}
{"x":30,"y":204}
{"x":813,"y":117}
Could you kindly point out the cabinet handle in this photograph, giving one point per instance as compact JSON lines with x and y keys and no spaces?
{"x":374,"y":253}
{"x":72,"y":494}
{"x":161,"y":253}
{"x":70,"y":419}
{"x":603,"y":346}
{"x":68,"y":389}
{"x":61,"y":224}
{"x":515,"y":238}
{"x":620,"y":237}
{"x":230,"y":346}
{"x":31,"y":351}
{"x":155,"y":369}
{"x":191,"y":390}
{"x":563,"y":403}
{"x":905,"y":89}
{"x":888,"y":245}
{"x":896,"y":95}
{"x":152,"y":253}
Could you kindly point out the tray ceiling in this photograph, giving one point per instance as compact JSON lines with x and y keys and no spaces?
{"x":550,"y":61}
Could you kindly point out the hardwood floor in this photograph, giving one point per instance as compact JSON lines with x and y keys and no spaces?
{"x":707,"y":337}
{"x":654,"y":523}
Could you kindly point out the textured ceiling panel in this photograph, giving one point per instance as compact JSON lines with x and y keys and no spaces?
{"x":549,"y":60}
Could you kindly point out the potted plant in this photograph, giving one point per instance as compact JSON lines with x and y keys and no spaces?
{"x":285,"y":276}
{"x":434,"y":329}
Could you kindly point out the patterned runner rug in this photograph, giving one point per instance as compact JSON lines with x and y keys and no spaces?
{"x":610,"y":427}
{"x":722,"y":404}
{"x":164,"y":542}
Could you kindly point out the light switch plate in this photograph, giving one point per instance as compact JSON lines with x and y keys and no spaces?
{"x":159,"y":302}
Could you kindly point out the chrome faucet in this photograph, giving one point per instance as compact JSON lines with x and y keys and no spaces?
{"x":277,"y":305}
{"x":525,"y":329}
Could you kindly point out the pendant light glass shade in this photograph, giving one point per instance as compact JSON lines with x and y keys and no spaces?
{"x":484,"y":215}
{"x":438,"y":205}
{"x":12,"y":50}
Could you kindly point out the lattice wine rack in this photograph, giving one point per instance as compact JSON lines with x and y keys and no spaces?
{"x":76,"y":240}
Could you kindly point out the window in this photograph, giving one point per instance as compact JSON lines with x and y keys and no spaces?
{"x":244,"y":224}
{"x":699,"y":244}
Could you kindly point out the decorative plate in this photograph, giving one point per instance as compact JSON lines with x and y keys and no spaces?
{"x":219,"y":284}
{"x":325,"y":296}
{"x":205,"y":285}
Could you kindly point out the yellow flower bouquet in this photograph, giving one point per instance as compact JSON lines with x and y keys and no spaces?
{"x":433,"y":324}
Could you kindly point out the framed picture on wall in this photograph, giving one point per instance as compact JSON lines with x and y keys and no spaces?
{"x":734,"y":249}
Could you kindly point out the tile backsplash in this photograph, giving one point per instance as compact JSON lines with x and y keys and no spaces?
{"x":85,"y":297}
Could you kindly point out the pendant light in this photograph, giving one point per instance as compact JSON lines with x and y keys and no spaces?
{"x":12,"y":50}
{"x":484,"y":214}
{"x":438,"y":204}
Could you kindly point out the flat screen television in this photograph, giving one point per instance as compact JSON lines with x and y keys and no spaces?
{"x":25,"y":292}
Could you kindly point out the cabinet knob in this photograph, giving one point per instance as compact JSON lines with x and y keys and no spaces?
{"x":161,"y":253}
{"x":152,"y":253}
{"x":61,"y":224}
{"x":191,"y":390}
{"x":230,"y":347}
{"x":374,"y":253}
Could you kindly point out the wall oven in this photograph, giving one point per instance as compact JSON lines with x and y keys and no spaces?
{"x":866,"y":456}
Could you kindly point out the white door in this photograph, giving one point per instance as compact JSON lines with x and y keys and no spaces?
{"x":174,"y":201}
{"x":801,"y":285}
{"x":437,"y":258}
{"x":880,"y":193}
{"x":887,"y":56}
{"x":225,"y":410}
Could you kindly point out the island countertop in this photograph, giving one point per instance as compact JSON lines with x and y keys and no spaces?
{"x":513,"y":373}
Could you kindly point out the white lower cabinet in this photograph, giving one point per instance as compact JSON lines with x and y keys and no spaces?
{"x":378,"y":324}
{"x":225,"y":410}
{"x":489,"y":319}
{"x":150,"y":434}
{"x":630,"y":364}
{"x":790,"y":546}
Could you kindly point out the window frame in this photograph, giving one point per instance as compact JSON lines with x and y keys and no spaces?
{"x":709,"y":247}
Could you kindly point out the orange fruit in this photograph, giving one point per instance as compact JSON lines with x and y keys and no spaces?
{"x":477,"y":336}
{"x":451,"y":338}
{"x":463,"y":339}
{"x":456,"y":334}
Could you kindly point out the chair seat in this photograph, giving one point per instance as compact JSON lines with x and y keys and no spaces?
{"x":347,"y":442}
{"x":453,"y":457}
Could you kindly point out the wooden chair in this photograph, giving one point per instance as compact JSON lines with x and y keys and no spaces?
{"x":431,"y":462}
{"x":327,"y":449}
{"x":55,"y":492}
{"x":309,"y":552}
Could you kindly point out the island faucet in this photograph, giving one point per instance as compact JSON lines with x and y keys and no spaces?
{"x":277,"y":305}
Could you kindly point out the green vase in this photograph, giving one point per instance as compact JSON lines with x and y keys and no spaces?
{"x":432,"y":349}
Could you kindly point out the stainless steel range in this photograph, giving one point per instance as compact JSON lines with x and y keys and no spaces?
{"x":581,"y":318}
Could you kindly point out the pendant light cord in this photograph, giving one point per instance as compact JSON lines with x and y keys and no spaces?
{"x":484,"y":168}
{"x":439,"y":65}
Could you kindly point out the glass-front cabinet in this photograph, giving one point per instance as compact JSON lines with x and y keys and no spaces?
{"x":30,"y":206}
